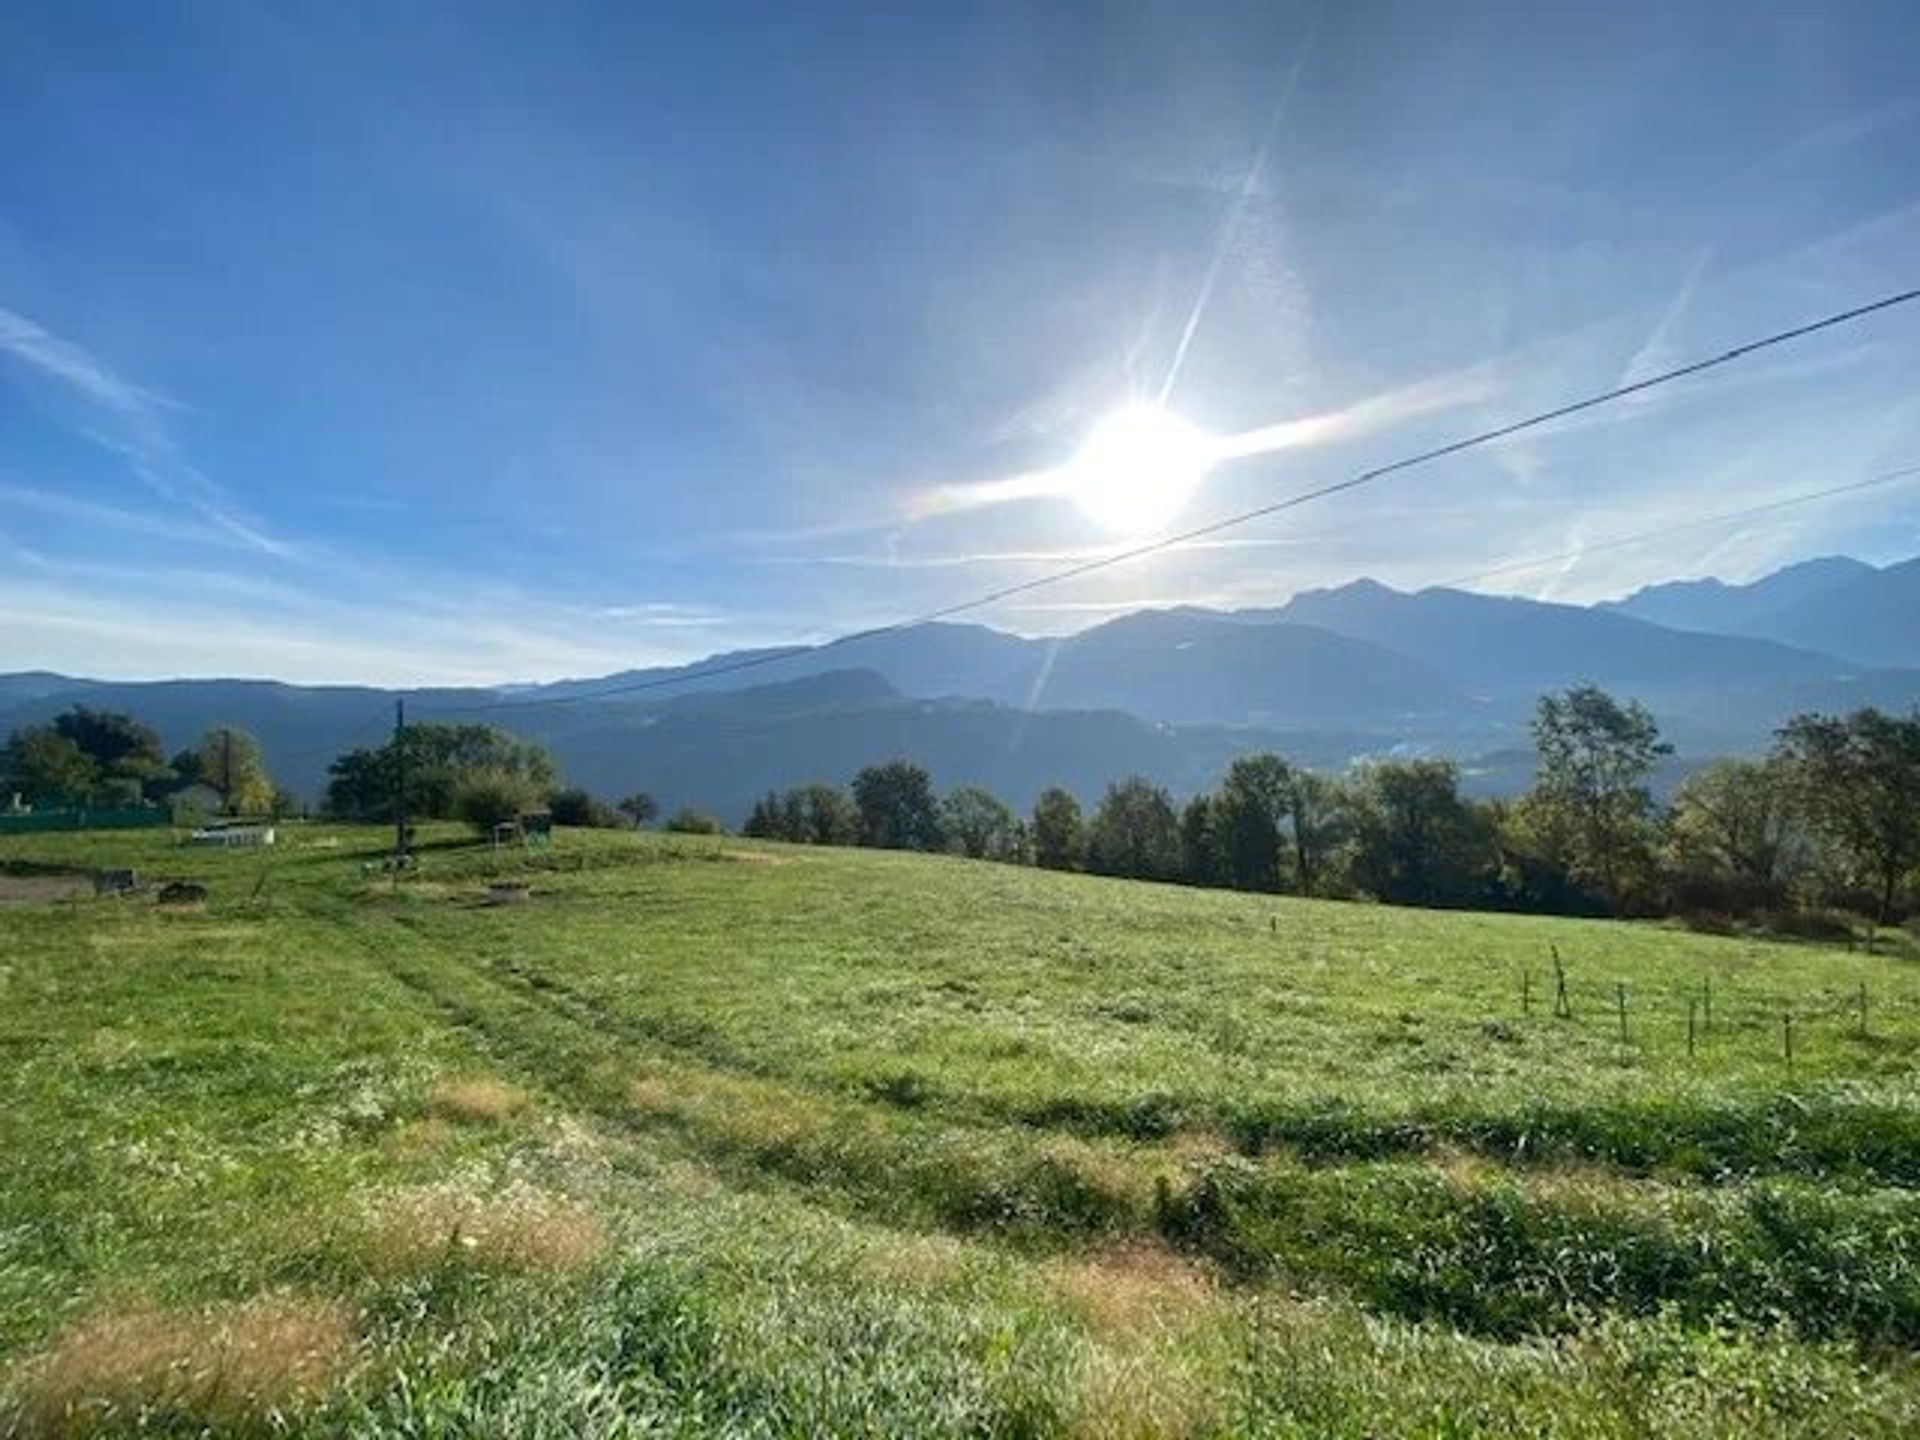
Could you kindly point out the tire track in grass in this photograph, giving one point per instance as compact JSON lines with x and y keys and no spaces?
{"x":884,"y":1168}
{"x":1728,"y":1138}
{"x":1048,"y":1192}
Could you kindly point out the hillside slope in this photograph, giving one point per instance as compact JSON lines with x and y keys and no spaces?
{"x":706,"y":1137}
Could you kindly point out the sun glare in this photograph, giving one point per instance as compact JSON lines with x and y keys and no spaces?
{"x":1138,"y":468}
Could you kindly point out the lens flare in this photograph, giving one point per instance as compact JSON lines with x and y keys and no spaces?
{"x":1138,"y":468}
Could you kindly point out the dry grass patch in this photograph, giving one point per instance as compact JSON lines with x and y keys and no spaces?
{"x":520,"y":1229}
{"x":216,"y":1367}
{"x":655,"y":1097}
{"x":1113,"y":1173}
{"x":749,"y":1115}
{"x":1130,"y":1394}
{"x":1570,"y":1183}
{"x":1198,"y":1146}
{"x":108,"y":1046}
{"x":756,"y":857}
{"x":476,"y":1100}
{"x":1144,"y":1377}
{"x":917,"y":1262}
{"x":688,"y":1177}
{"x":1134,"y":1292}
{"x":1465,"y":1171}
{"x":414,"y":1140}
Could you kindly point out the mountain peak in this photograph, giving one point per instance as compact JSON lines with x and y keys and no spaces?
{"x":1759,"y":606}
{"x":1365,"y":588}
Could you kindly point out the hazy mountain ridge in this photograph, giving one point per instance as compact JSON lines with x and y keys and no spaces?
{"x":1868,"y":614}
{"x":1355,"y":670}
{"x":1712,"y":604}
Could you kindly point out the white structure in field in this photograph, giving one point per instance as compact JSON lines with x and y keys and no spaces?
{"x":245,"y":833}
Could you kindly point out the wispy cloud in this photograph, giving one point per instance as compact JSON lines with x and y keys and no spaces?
{"x":1659,"y":351}
{"x":115,"y":517}
{"x":140,"y":431}
{"x":1841,"y":134}
{"x":34,"y":345}
{"x":99,"y":619}
{"x":1065,"y":556}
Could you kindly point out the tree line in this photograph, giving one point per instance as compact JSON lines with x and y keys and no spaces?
{"x":87,"y":758}
{"x":1829,"y":820}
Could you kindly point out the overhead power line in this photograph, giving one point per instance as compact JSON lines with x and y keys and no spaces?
{"x":1215,"y":527}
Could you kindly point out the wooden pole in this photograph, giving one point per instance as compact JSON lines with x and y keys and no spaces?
{"x":399,"y":782}
{"x":1693,"y":1007}
{"x":1620,"y":996}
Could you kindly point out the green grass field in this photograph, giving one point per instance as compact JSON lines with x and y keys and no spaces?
{"x":715,"y":1138}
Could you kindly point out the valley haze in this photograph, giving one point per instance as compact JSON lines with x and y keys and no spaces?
{"x":1331,"y":677}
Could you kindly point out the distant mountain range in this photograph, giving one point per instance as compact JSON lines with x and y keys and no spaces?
{"x":1173,"y":694}
{"x":1842,"y":606}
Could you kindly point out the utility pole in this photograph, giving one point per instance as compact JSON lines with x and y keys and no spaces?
{"x":400,"y":780}
{"x":226,"y":767}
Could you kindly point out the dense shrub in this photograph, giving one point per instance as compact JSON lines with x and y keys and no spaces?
{"x":574,"y":806}
{"x":488,"y":798}
{"x":688,"y":821}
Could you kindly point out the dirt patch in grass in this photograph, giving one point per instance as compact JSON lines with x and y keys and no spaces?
{"x":219,"y":1368}
{"x":42,"y":889}
{"x":523,"y":1229}
{"x":476,"y":1100}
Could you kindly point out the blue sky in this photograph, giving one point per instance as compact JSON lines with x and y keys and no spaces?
{"x":407,"y":343}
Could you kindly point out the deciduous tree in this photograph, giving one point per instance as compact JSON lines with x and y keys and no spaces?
{"x":231,"y":762}
{"x":48,"y":768}
{"x":1135,"y":832}
{"x":1859,"y":776}
{"x":979,"y":826}
{"x":1059,"y":832}
{"x":1740,"y":829}
{"x":639,"y":807}
{"x":1416,"y":841}
{"x":1590,"y":790}
{"x":897,"y":807}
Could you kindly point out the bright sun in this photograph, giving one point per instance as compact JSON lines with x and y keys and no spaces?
{"x":1138,"y":467}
